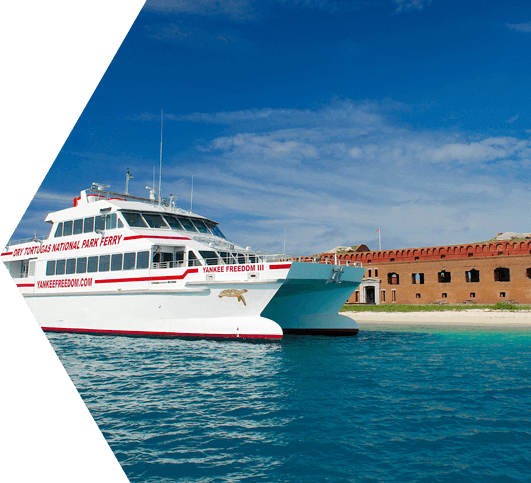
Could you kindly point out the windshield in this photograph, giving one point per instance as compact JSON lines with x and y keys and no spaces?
{"x":175,"y":222}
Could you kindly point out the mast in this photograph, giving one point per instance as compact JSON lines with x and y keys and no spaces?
{"x":160,"y":162}
{"x":192,"y":195}
{"x":128,"y":176}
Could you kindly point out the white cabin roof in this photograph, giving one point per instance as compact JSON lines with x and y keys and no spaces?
{"x":89,"y":205}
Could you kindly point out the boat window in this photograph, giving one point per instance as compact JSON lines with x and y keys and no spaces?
{"x":99,"y":223}
{"x":78,"y":226}
{"x":70,"y":266}
{"x":120,"y":223}
{"x":116,"y":262}
{"x":104,"y":263}
{"x":154,"y":221}
{"x":162,"y":257}
{"x":188,"y":225}
{"x":200,"y":226}
{"x":214,"y":229}
{"x":241,"y":258}
{"x":124,"y":261}
{"x":252,"y":259}
{"x":209,"y":226}
{"x":59,"y":231}
{"x":110,"y":221}
{"x":50,"y":267}
{"x":92,"y":265}
{"x":60,"y":267}
{"x":129,"y":261}
{"x":173,"y":222}
{"x":179,"y":257}
{"x":23,"y":268}
{"x":134,"y":220}
{"x":211,"y":258}
{"x":81,"y":265}
{"x":192,"y":259}
{"x":88,"y":225}
{"x":226,"y":257}
{"x":67,"y":228}
{"x":142,"y":260}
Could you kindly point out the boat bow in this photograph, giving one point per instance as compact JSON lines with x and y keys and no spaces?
{"x":310,"y":298}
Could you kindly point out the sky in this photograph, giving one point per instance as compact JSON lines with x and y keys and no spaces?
{"x":316,"y":121}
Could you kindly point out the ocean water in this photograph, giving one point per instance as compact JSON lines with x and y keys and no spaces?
{"x":412,"y":405}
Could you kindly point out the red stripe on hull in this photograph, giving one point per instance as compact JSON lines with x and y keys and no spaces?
{"x":136,"y":237}
{"x":25,"y":285}
{"x":7,"y":253}
{"x":148,"y":279}
{"x":277,"y":267}
{"x":141,"y":333}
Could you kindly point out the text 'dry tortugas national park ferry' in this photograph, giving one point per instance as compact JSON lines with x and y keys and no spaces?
{"x":120,"y":264}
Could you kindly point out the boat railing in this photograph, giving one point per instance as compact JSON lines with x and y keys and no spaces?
{"x":209,"y":262}
{"x":322,"y":260}
{"x":328,"y":261}
{"x":27,"y":240}
{"x":174,"y":264}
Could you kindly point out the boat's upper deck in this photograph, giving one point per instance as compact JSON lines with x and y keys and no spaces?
{"x":105,"y":223}
{"x":139,"y":213}
{"x":98,"y":212}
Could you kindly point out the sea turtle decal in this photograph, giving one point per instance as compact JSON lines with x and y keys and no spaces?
{"x":232,"y":292}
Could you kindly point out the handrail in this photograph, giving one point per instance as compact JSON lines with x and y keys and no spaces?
{"x":216,"y":262}
{"x":27,"y":240}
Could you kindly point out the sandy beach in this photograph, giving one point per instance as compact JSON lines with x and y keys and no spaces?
{"x":472,"y":317}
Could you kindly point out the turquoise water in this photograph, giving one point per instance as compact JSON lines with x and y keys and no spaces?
{"x":412,"y":405}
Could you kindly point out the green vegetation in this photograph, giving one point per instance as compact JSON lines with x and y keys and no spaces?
{"x":429,"y":308}
{"x":505,"y":306}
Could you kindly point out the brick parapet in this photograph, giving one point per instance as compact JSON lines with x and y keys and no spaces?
{"x":471,"y":250}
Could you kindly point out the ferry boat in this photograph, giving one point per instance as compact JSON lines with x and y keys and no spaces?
{"x":121,"y":264}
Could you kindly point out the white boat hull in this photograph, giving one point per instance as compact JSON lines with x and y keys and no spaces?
{"x":304,"y":299}
{"x":155,"y":314}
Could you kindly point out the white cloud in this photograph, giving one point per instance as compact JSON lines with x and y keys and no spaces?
{"x":411,"y":4}
{"x":521,"y":27}
{"x":329,"y":6}
{"x":144,"y":116}
{"x":54,"y":197}
{"x":199,"y":38}
{"x":230,"y":117}
{"x":344,"y":113}
{"x":512,"y":119}
{"x":356,"y":152}
{"x":235,"y":9}
{"x":247,"y":9}
{"x":476,"y":152}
